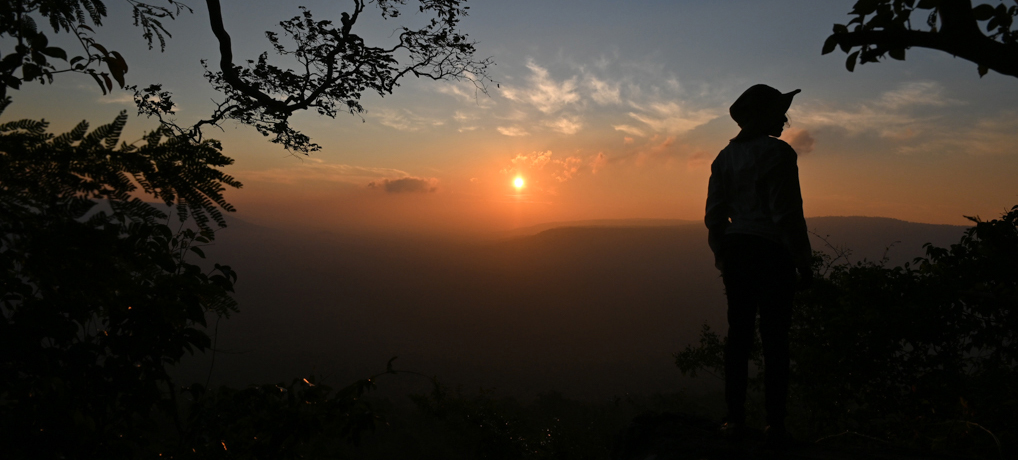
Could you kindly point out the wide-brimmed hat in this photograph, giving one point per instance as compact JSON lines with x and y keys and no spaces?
{"x":760,"y":101}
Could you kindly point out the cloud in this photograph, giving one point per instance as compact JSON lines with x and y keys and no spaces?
{"x":629,"y":130}
{"x":544,"y":93}
{"x":599,"y":162}
{"x":898,"y":114}
{"x":316,"y":170}
{"x":121,"y":98}
{"x":569,"y":167}
{"x":463,"y":93}
{"x":406,"y":185}
{"x":565,"y":125}
{"x":535,"y":160}
{"x":800,"y":140}
{"x":670,"y":117}
{"x":513,"y":131}
{"x":990,"y":135}
{"x":658,"y":149}
{"x":915,"y":93}
{"x":602,"y":92}
{"x":405,"y":120}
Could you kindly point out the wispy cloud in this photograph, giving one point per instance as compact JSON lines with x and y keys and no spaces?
{"x":406,"y":185}
{"x":512,"y":131}
{"x":898,"y":114}
{"x":567,"y":168}
{"x":631,"y":130}
{"x":670,"y":117}
{"x":406,"y":120}
{"x":919,"y":93}
{"x":800,"y":140}
{"x":991,"y":135}
{"x":317,"y":170}
{"x":598,"y":163}
{"x":565,"y":125}
{"x":466,"y":93}
{"x":603,"y":92}
{"x":543,"y":92}
{"x":120,"y":98}
{"x":534,"y":160}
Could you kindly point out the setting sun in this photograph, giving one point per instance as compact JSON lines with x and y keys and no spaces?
{"x":518,"y":182}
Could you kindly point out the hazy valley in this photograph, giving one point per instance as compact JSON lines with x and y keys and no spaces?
{"x":592,"y":311}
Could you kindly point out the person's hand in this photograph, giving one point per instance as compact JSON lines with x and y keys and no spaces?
{"x":805,"y":278}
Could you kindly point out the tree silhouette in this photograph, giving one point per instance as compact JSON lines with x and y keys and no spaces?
{"x":98,"y":297}
{"x":882,"y":28}
{"x":332,"y":65}
{"x":98,"y":293}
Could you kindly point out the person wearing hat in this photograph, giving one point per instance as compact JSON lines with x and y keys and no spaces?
{"x":758,"y":235}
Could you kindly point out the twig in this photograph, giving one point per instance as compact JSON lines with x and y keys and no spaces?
{"x":857,"y":434}
{"x":1000,"y":451}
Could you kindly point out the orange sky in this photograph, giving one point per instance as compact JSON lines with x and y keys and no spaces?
{"x":606,"y":110}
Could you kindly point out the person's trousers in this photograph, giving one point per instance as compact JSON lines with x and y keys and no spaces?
{"x":759,"y":277}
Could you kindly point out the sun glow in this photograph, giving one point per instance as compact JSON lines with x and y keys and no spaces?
{"x":518,"y":183}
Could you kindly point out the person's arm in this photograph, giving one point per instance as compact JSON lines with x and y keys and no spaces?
{"x":786,"y":208}
{"x":718,"y":211}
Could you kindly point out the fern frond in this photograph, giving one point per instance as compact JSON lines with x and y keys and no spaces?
{"x":74,"y":135}
{"x":105,"y":133}
{"x":34,"y":127}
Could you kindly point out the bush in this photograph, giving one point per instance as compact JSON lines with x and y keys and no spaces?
{"x":98,"y":298}
{"x":926,"y":353}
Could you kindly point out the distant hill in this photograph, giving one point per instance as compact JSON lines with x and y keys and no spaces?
{"x":873,"y":237}
{"x":591,"y":310}
{"x":617,"y":223}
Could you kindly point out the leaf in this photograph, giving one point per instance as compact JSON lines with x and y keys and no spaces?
{"x":829,"y":44}
{"x":897,"y":53}
{"x":12,"y":82}
{"x":101,"y":48}
{"x":198,"y":251}
{"x":983,"y":12}
{"x":30,"y":72}
{"x":56,"y":52}
{"x":850,"y":62}
{"x":39,"y":41}
{"x":865,"y":7}
{"x":116,"y":70}
{"x":928,"y":4}
{"x":983,"y":70}
{"x":993,"y":23}
{"x":109,"y":83}
{"x":76,"y":59}
{"x":840,"y":29}
{"x":120,"y":60}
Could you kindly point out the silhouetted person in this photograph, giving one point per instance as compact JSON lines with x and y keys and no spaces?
{"x":758,"y":235}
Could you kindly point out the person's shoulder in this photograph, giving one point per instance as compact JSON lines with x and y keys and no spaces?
{"x":780,"y":147}
{"x":729,"y":149}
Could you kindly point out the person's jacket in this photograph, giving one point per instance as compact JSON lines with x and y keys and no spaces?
{"x":754,"y":189}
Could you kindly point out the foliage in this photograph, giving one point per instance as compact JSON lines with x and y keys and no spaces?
{"x":300,"y":420}
{"x":905,"y":351}
{"x":32,"y":50}
{"x":98,"y":296}
{"x":334,"y":67}
{"x":448,"y":422}
{"x":882,"y":28}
